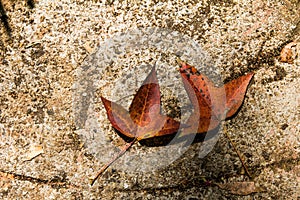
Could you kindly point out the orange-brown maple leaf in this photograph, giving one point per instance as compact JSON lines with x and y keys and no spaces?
{"x":143,"y":120}
{"x":211,"y":104}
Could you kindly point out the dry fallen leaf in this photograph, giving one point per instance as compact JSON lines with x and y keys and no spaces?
{"x":211,"y":104}
{"x":5,"y":182}
{"x":33,"y":152}
{"x":143,"y":120}
{"x":287,"y":55}
{"x":240,"y":188}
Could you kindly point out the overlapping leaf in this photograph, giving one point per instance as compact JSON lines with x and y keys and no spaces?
{"x":211,"y":104}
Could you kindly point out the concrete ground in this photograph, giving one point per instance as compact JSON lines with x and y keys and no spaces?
{"x":46,"y":149}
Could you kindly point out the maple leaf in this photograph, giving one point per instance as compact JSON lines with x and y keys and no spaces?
{"x":211,"y":104}
{"x":144,"y":119}
{"x":241,"y":188}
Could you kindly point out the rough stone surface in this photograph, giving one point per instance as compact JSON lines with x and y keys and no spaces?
{"x":41,"y":61}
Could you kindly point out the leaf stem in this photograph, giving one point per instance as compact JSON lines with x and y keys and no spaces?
{"x":238,"y":153}
{"x":123,"y":150}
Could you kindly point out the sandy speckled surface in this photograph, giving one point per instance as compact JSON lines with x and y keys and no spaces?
{"x":51,"y":44}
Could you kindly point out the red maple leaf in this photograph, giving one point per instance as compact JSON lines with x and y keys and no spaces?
{"x":211,"y":104}
{"x":143,"y":120}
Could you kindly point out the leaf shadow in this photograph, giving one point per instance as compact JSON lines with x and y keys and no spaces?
{"x":172,"y":139}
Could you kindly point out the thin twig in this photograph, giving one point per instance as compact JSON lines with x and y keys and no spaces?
{"x":238,"y":153}
{"x":123,"y":150}
{"x":52,"y":182}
